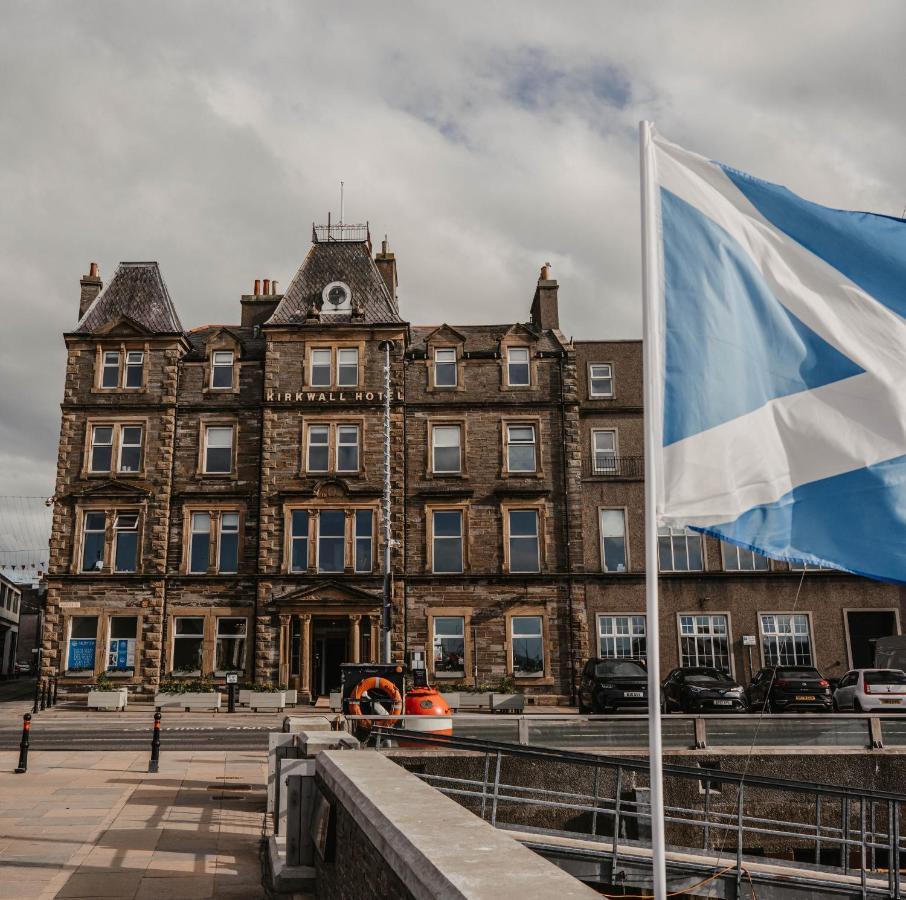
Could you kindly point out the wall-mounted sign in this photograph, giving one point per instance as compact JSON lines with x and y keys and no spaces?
{"x":748,"y":640}
{"x":329,"y":396}
{"x":81,"y":653}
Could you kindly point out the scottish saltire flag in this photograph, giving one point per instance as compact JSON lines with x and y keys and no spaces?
{"x":779,"y":337}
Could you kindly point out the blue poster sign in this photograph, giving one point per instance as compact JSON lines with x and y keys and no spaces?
{"x":81,"y":653}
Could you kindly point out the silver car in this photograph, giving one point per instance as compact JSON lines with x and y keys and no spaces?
{"x":872,"y":690}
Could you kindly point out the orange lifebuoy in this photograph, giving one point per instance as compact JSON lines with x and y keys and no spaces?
{"x":389,"y":691}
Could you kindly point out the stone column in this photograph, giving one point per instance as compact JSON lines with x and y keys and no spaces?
{"x":354,"y":624}
{"x":306,"y":634}
{"x":285,"y":649}
{"x":375,"y":637}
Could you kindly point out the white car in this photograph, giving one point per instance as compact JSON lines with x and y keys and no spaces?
{"x":875,"y":690}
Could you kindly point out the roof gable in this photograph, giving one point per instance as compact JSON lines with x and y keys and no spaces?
{"x":136,"y":293}
{"x":329,"y":261}
{"x":445,"y":333}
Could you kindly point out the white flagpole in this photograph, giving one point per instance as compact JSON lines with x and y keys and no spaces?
{"x":650,"y":335}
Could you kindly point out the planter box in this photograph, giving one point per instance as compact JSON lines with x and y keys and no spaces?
{"x":208,"y":700}
{"x":474,"y":701}
{"x":261,"y":700}
{"x":452,"y":699}
{"x":108,"y":699}
{"x":245,"y":697}
{"x":507,"y":703}
{"x":336,"y":701}
{"x":292,"y":697}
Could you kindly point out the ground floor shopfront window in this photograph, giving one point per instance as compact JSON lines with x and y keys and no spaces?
{"x":449,"y":645}
{"x":83,"y":640}
{"x":121,"y":647}
{"x":528,"y":646}
{"x":102,"y":641}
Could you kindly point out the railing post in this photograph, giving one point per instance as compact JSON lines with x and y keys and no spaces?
{"x":862,"y":848}
{"x":617,"y":797}
{"x":895,"y":859}
{"x":496,"y":791}
{"x":707,"y":813}
{"x":54,"y":697}
{"x":845,"y":831}
{"x":484,"y":783}
{"x":892,"y":873}
{"x":34,"y":708}
{"x":594,"y":810}
{"x":739,"y":830}
{"x":43,"y":694}
{"x":817,"y":828}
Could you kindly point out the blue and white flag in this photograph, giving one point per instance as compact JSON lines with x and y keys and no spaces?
{"x":779,"y":337}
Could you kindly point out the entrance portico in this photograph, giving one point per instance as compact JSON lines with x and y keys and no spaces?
{"x":321,"y":627}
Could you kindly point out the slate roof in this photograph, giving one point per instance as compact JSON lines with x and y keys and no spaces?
{"x":327,"y":261}
{"x":484,"y":338}
{"x":137,"y":291}
{"x":252,"y":346}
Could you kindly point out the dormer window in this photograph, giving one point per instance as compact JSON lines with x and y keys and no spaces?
{"x":518,"y":374}
{"x":222,"y":369}
{"x":135,"y":366}
{"x":110,"y":378}
{"x":122,"y":369}
{"x":445,"y":367}
{"x":336,"y":297}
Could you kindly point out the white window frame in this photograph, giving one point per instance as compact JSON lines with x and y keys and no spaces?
{"x":448,"y":537}
{"x":340,"y":429}
{"x":320,"y":351}
{"x":105,"y":365}
{"x":441,"y":673}
{"x":613,"y":451}
{"x":763,"y":635}
{"x":192,"y":532}
{"x":539,"y":636}
{"x":207,"y":437}
{"x":524,"y":537}
{"x":187,"y":637}
{"x":441,"y":426}
{"x":85,"y":532}
{"x":709,"y":636}
{"x":132,"y":363}
{"x":592,"y":378}
{"x":533,"y":443}
{"x":602,"y":537}
{"x":527,"y":363}
{"x":111,"y":444}
{"x":121,"y":525}
{"x":121,"y":445}
{"x":223,"y":529}
{"x":676,"y":534}
{"x":215,"y":365}
{"x":321,"y":429}
{"x":730,"y":551}
{"x":631,"y":635}
{"x":446,"y":362}
{"x":341,"y":365}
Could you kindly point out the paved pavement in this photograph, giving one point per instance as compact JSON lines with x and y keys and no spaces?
{"x":98,"y":826}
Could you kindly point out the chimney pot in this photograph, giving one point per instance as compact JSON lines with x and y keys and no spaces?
{"x":273,"y":287}
{"x":546,"y":272}
{"x":90,"y":285}
{"x":257,"y":289}
{"x":267,"y":286}
{"x":93,"y":270}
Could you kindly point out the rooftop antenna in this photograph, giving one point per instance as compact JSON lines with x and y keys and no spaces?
{"x":341,"y":202}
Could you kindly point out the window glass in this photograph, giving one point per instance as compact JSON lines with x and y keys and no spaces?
{"x":83,"y":632}
{"x":363,"y":540}
{"x":93,"y":541}
{"x":528,"y":646}
{"x":347,"y":367}
{"x":188,"y":638}
{"x":446,"y":448}
{"x":604,"y":450}
{"x":622,"y":637}
{"x":679,"y":550}
{"x":320,"y":368}
{"x":222,"y":369}
{"x":299,"y":540}
{"x":444,"y":367}
{"x":125,"y":557}
{"x":200,"y":548}
{"x":295,"y":645}
{"x":231,"y":644}
{"x":229,"y":543}
{"x":318,"y":448}
{"x":449,"y":646}
{"x":520,"y":448}
{"x":130,"y":448}
{"x":331,"y":540}
{"x":447,"y":549}
{"x":101,"y":448}
{"x":219,"y":449}
{"x":121,"y":652}
{"x":110,"y":376}
{"x":616,"y":669}
{"x":705,"y":641}
{"x":885,"y":676}
{"x":786,"y":640}
{"x":524,"y":556}
{"x":135,"y":364}
{"x":348,"y":448}
{"x":613,"y":540}
{"x":738,"y":559}
{"x":600,"y":380}
{"x":518,"y":367}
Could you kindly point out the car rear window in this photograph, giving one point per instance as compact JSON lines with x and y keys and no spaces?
{"x":885,"y":676}
{"x":798,"y":672}
{"x":617,"y":667}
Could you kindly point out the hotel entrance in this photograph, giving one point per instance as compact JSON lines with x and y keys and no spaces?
{"x":331,"y":648}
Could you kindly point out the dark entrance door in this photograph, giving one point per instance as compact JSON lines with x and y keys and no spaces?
{"x":865,"y":627}
{"x":330,"y":646}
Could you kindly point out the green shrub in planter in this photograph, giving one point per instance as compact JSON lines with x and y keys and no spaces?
{"x":266,"y":687}
{"x":506,"y":685}
{"x":171,"y":685}
{"x":104,"y":684}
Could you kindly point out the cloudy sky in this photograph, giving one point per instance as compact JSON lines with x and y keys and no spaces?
{"x":485,"y":139}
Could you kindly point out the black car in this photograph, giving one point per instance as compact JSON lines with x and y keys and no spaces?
{"x":777,"y":688}
{"x":693,"y":689}
{"x":608,"y":685}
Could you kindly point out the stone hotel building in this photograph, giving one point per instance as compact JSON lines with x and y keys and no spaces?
{"x":218,"y":498}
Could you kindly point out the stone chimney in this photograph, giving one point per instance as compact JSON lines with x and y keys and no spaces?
{"x":91,"y":287}
{"x":259,"y":306}
{"x":386,"y":263}
{"x":544,"y":305}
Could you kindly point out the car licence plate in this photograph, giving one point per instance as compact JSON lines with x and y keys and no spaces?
{"x":633,"y":694}
{"x":805,"y":696}
{"x":723,"y":702}
{"x":889,"y":701}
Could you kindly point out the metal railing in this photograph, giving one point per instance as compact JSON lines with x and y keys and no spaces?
{"x":323,"y":233}
{"x":601,"y":466}
{"x":609,"y":794}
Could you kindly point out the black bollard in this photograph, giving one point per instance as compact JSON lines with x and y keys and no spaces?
{"x":155,"y":745}
{"x":34,"y":708}
{"x":53,"y":700}
{"x":43,"y":695}
{"x":23,"y":745}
